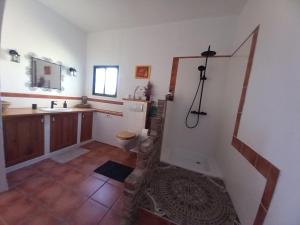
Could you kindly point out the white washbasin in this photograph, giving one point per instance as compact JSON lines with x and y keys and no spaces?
{"x":56,"y":109}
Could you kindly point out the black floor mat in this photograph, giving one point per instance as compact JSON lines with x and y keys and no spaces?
{"x":114,"y":170}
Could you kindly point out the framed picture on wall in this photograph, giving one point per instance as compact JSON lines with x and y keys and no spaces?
{"x":142,"y":72}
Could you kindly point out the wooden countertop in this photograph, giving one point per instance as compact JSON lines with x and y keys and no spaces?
{"x":28,"y":111}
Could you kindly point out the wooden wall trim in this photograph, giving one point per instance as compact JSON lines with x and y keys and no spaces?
{"x":255,"y":32}
{"x":201,"y":57}
{"x":174,"y":75}
{"x":24,"y":95}
{"x":266,"y":169}
{"x":262,"y":165}
{"x":114,"y":113}
{"x":175,"y":63}
{"x":246,"y":82}
{"x":105,"y":101}
{"x":135,"y":100}
{"x":174,"y":71}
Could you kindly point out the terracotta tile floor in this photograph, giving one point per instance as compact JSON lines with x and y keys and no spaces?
{"x":50,"y":193}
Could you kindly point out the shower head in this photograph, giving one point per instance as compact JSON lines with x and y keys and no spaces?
{"x":208,"y":53}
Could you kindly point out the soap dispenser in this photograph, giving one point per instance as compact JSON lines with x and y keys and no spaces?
{"x":65,"y":104}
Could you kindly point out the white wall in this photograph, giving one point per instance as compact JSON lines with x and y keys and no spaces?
{"x":246,"y":196}
{"x":155,"y":46}
{"x":3,"y":182}
{"x":107,"y":126}
{"x":198,"y":144}
{"x":270,"y":122}
{"x":30,"y":27}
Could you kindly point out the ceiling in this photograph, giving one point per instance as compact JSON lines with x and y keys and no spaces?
{"x":99,"y":15}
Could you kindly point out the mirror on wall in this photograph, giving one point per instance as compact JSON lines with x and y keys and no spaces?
{"x":46,"y":74}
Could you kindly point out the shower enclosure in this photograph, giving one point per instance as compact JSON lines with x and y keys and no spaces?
{"x":194,"y":149}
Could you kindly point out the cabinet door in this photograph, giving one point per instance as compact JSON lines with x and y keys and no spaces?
{"x":11,"y":145}
{"x":31,"y":137}
{"x":55,"y":132}
{"x":23,"y":138}
{"x":86,"y":126}
{"x":70,"y":127}
{"x":63,"y":130}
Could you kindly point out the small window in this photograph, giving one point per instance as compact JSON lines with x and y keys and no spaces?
{"x":105,"y":80}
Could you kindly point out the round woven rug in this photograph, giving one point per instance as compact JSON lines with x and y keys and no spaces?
{"x":189,"y":198}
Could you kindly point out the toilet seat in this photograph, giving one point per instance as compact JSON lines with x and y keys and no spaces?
{"x":126,"y":135}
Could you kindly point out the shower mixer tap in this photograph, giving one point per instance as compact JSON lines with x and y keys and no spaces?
{"x":202,"y":72}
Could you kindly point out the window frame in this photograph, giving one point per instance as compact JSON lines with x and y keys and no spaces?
{"x":94,"y":80}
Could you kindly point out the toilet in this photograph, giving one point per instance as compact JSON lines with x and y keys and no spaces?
{"x":129,"y":140}
{"x":133,"y":130}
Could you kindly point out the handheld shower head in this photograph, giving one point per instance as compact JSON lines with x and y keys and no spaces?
{"x":201,"y":68}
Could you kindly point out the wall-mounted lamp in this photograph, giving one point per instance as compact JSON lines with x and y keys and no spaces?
{"x":72,"y":71}
{"x":15,"y":56}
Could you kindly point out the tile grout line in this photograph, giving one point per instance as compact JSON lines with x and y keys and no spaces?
{"x":35,"y":172}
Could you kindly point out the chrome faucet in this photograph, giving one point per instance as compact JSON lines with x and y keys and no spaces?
{"x":53,"y":103}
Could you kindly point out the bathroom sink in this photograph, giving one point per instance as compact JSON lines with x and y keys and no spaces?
{"x":56,"y":109}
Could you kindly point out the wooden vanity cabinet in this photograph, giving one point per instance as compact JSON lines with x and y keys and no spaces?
{"x":86,"y":126}
{"x":63,"y":130}
{"x":23,"y":138}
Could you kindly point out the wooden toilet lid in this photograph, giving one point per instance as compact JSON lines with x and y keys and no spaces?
{"x":126,"y":135}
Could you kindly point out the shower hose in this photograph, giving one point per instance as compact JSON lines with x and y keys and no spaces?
{"x":190,"y":109}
